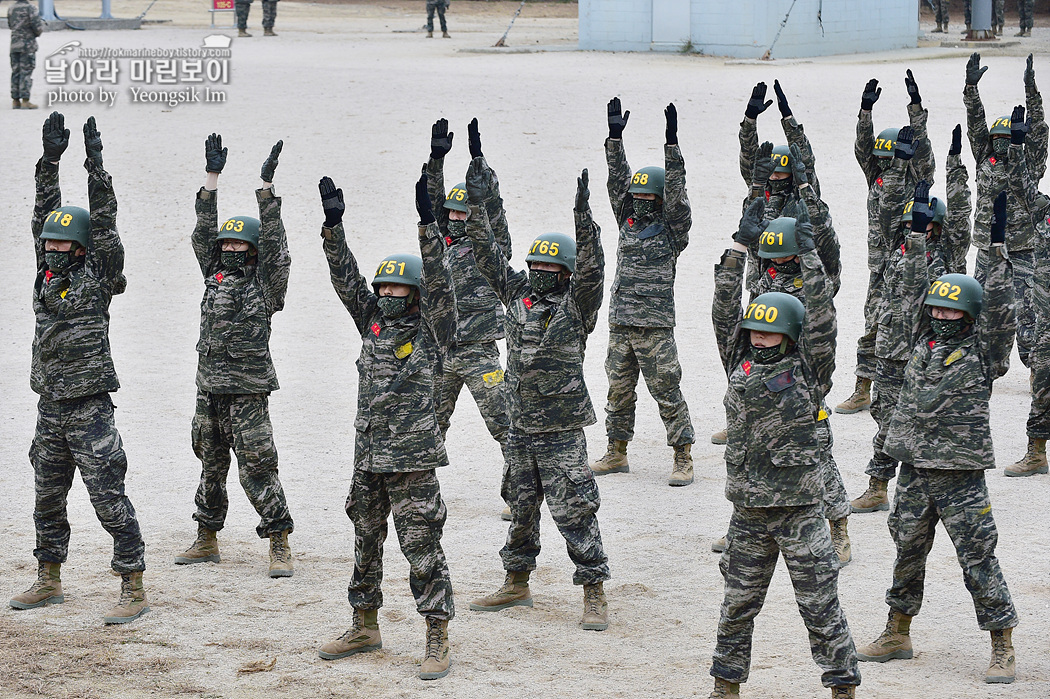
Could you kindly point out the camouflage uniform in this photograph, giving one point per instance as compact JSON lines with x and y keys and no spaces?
{"x":440,"y":6}
{"x":398,"y":443}
{"x":998,"y":10}
{"x":641,"y":311}
{"x":921,"y":167}
{"x":73,"y":373}
{"x":549,"y":402}
{"x":235,"y":374}
{"x":774,"y":480}
{"x":940,"y":433}
{"x":26,"y":25}
{"x":941,"y":11}
{"x":1026,"y":13}
{"x":947,"y":256}
{"x":473,"y":358}
{"x":243,"y":7}
{"x":269,"y":10}
{"x":993,"y":177}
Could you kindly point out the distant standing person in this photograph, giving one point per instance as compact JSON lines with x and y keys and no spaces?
{"x":440,"y":6}
{"x":242,"y":8}
{"x":26,"y":26}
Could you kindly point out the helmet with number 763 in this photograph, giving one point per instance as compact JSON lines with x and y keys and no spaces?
{"x":775,"y":312}
{"x":243,"y":228}
{"x":556,"y":248}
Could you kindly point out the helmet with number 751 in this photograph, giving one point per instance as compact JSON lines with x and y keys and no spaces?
{"x":556,"y":248}
{"x":403,"y":268}
{"x":775,"y":312}
{"x":958,"y":291}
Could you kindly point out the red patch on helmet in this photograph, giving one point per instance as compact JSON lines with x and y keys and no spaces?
{"x":527,"y":301}
{"x":375,"y":329}
{"x":746,"y":366}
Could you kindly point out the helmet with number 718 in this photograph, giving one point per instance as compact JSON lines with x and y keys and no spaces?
{"x":556,"y":248}
{"x":68,"y":223}
{"x":958,"y":291}
{"x":775,"y":312}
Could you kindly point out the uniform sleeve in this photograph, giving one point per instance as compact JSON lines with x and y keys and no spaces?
{"x":36,"y":24}
{"x":496,"y":213}
{"x":494,"y":267}
{"x":352,"y":288}
{"x":825,"y":237}
{"x":436,"y":190}
{"x":619,"y":180}
{"x":48,"y":198}
{"x":438,"y":303}
{"x":955,"y":233}
{"x":275,"y":261}
{"x":1036,"y":143}
{"x":864,"y":145}
{"x":997,"y":323}
{"x":923,"y":164}
{"x":914,"y":283}
{"x":587,"y":283}
{"x":205,"y":235}
{"x":819,"y":326}
{"x":677,"y":212}
{"x":896,"y":193}
{"x":106,"y":252}
{"x":725,"y":308}
{"x":796,"y":136}
{"x":976,"y":124}
{"x":748,"y":137}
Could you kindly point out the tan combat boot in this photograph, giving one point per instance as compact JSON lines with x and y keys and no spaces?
{"x":999,"y":30}
{"x":874,"y":498}
{"x":268,"y":31}
{"x":26,"y":104}
{"x":938,"y":30}
{"x":1001,"y":670}
{"x":132,"y":603}
{"x":16,"y":104}
{"x":595,"y":608}
{"x":436,"y":657}
{"x":720,"y":437}
{"x":280,"y":556}
{"x":724,"y":689}
{"x":840,"y":538}
{"x":46,"y":590}
{"x":614,"y":461}
{"x":860,"y":400}
{"x":895,"y":641}
{"x":966,"y":31}
{"x":514,"y":593}
{"x":506,"y":515}
{"x":719,"y":545}
{"x":843,"y":692}
{"x":682,"y":471}
{"x":363,"y":636}
{"x":446,"y":35}
{"x":243,"y":33}
{"x":205,"y":549}
{"x":1033,"y":462}
{"x":430,"y":35}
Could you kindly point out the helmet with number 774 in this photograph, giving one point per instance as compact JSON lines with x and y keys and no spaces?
{"x":775,"y":312}
{"x":958,"y":291}
{"x":556,"y":248}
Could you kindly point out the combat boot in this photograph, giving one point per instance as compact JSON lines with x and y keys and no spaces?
{"x":595,"y":608}
{"x":16,"y":104}
{"x":205,"y":549}
{"x":840,"y":538}
{"x":844,"y":692}
{"x":506,"y":515}
{"x":132,"y":603}
{"x":430,"y":34}
{"x":243,"y":33}
{"x":967,"y":30}
{"x":874,"y":499}
{"x":46,"y":590}
{"x":445,"y":35}
{"x":895,"y":641}
{"x":682,"y":471}
{"x":1033,"y":462}
{"x":719,"y":545}
{"x":938,"y":30}
{"x":724,"y":689}
{"x":860,"y":400}
{"x":1001,"y":670}
{"x":514,"y":593}
{"x":363,"y":636}
{"x":436,"y":657}
{"x":280,"y":555}
{"x":26,"y":104}
{"x":614,"y":461}
{"x":720,"y":437}
{"x":268,"y":31}
{"x":999,"y":30}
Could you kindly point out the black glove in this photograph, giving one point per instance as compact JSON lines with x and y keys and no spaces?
{"x":913,"y":88}
{"x":214,"y":154}
{"x":332,"y":201}
{"x":56,"y":137}
{"x":751,"y":223}
{"x":671,"y":132}
{"x":583,"y":194}
{"x":974,"y":71}
{"x":956,"y":148}
{"x":423,"y":205}
{"x":1029,"y":76}
{"x":905,"y":146}
{"x":999,"y":219}
{"x":270,"y":164}
{"x":798,"y":168}
{"x":1018,"y":126}
{"x":921,"y":211}
{"x":92,"y":142}
{"x":474,"y":139}
{"x":617,"y":121}
{"x":804,"y":229}
{"x":763,"y":167}
{"x":870,"y":96}
{"x":440,"y":139}
{"x":758,"y":102}
{"x":782,"y":101}
{"x":478,"y":181}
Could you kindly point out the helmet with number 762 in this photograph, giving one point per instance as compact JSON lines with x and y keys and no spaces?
{"x":958,"y":291}
{"x":556,"y":248}
{"x":775,"y":312}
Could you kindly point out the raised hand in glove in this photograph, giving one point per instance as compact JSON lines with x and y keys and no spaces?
{"x":870,"y":96}
{"x":751,"y":223}
{"x":270,"y":164}
{"x":1029,"y":75}
{"x":998,"y":235}
{"x":671,"y":119}
{"x":956,"y":148}
{"x":583,"y":192}
{"x":92,"y":142}
{"x":974,"y":71}
{"x":474,"y":138}
{"x":214,"y":154}
{"x":921,"y":211}
{"x":782,"y":101}
{"x":905,"y":146}
{"x":440,"y":139}
{"x":332,"y":202}
{"x":1019,"y":128}
{"x":617,"y":120}
{"x":804,"y":229}
{"x":913,"y":88}
{"x":478,"y":182}
{"x":56,"y":137}
{"x":763,"y":167}
{"x":758,"y":102}
{"x":798,"y":168}
{"x":423,"y":205}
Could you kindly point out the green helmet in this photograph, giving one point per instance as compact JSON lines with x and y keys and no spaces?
{"x":68,"y":223}
{"x":399,"y":269}
{"x":554,"y":247}
{"x":885,"y":143}
{"x":939,"y":212}
{"x":457,"y":198}
{"x":956,"y":291}
{"x":782,"y":159}
{"x":775,"y":312}
{"x":243,"y":228}
{"x":648,"y":180}
{"x":778,"y":240}
{"x":1000,"y":127}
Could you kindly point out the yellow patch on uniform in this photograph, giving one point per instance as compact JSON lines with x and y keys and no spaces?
{"x":954,"y":357}
{"x":822,"y":415}
{"x":403,"y":351}
{"x":798,"y":282}
{"x":63,"y":293}
{"x":986,"y":510}
{"x":493,"y":378}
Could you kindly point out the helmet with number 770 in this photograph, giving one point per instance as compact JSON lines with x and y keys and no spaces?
{"x":958,"y":291}
{"x":775,"y":312}
{"x":556,"y":248}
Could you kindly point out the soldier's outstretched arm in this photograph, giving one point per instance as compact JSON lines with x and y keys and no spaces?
{"x":205,"y":234}
{"x":48,"y":192}
{"x":588,"y":281}
{"x":440,"y":145}
{"x":493,"y":200}
{"x":976,"y":125}
{"x":748,"y":135}
{"x":106,"y":252}
{"x":895,"y":190}
{"x":924,"y":164}
{"x":956,"y":233}
{"x":820,"y":327}
{"x":619,"y":169}
{"x":1036,"y":143}
{"x":506,"y":282}
{"x":275,"y":261}
{"x":914,"y":276}
{"x":729,"y":282}
{"x":352,"y":288}
{"x":438,"y":302}
{"x":796,"y":136}
{"x":997,"y":322}
{"x":677,"y":212}
{"x":865,"y":142}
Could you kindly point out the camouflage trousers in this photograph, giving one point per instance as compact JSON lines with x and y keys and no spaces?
{"x":269,"y":9}
{"x":81,"y":434}
{"x":866,"y":360}
{"x":959,"y":500}
{"x":476,"y":365}
{"x":22,"y":65}
{"x":1039,"y":415}
{"x":651,"y":351}
{"x":242,"y":423}
{"x":889,"y":382}
{"x":552,"y":466}
{"x":836,"y":502}
{"x":1026,"y":13}
{"x":998,"y":9}
{"x":440,"y":6}
{"x":414,"y":498}
{"x":1024,"y":296}
{"x":941,"y":8}
{"x":241,"y":10}
{"x":756,"y":538}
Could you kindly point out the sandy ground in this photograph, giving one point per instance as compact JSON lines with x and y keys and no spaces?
{"x":354,"y":97}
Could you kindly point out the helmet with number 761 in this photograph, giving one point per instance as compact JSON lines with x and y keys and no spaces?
{"x":556,"y":248}
{"x":958,"y":291}
{"x":775,"y":312}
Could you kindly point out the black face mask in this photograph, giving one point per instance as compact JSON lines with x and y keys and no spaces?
{"x":884,"y":164}
{"x":1001,"y":146}
{"x":456,"y":229}
{"x":59,"y":262}
{"x":780,"y":186}
{"x":766,"y":355}
{"x":393,"y":307}
{"x":944,"y":329}
{"x":645,"y":207}
{"x":233,"y":260}
{"x":543,"y":281}
{"x":790,"y":268}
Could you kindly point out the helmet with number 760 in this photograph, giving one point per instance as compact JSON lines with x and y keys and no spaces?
{"x":775,"y":312}
{"x":556,"y":248}
{"x":958,"y":291}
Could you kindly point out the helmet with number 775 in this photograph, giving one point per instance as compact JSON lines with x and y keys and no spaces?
{"x":958,"y":291}
{"x":775,"y":312}
{"x":457,"y":198}
{"x":556,"y":248}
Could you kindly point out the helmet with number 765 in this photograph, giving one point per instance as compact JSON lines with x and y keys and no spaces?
{"x":556,"y":248}
{"x":775,"y":312}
